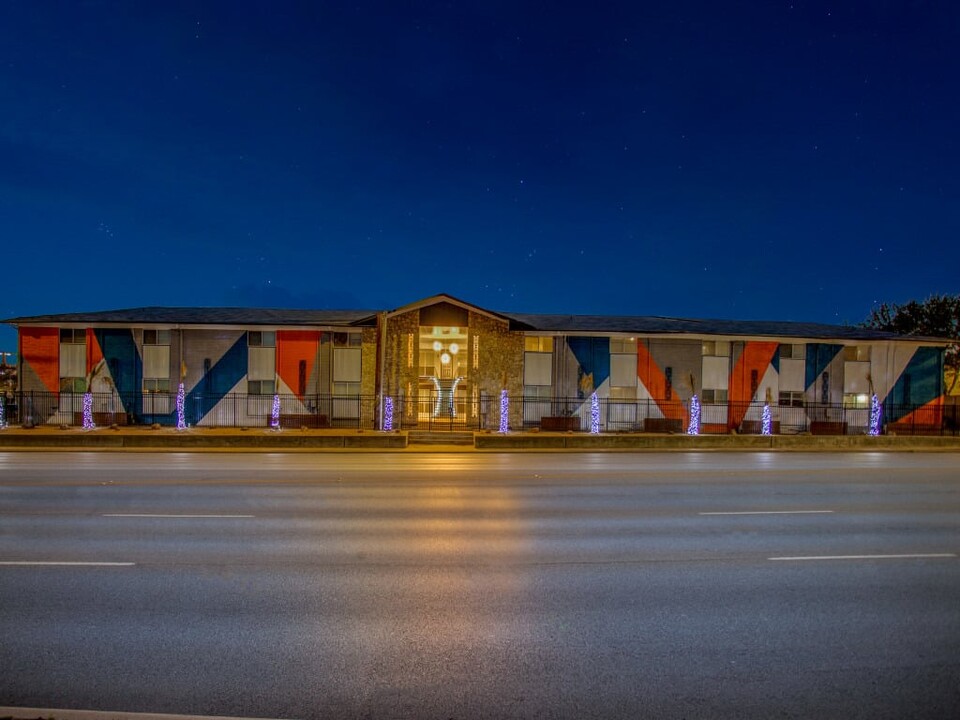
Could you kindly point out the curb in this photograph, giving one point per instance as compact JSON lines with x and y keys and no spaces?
{"x":26,"y":713}
{"x":106,"y":440}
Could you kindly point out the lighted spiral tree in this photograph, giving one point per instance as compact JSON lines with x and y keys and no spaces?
{"x":181,"y":408}
{"x":594,"y":414}
{"x":876,"y":416}
{"x":3,"y":413}
{"x":387,"y":414}
{"x":88,"y":423}
{"x":694,"y":427}
{"x":766,"y":421}
{"x":504,"y":411}
{"x":275,"y":413}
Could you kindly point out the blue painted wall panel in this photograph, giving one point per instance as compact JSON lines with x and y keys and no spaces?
{"x":593,"y":357}
{"x":819,"y":356}
{"x":920,"y":382}
{"x":126,"y":367}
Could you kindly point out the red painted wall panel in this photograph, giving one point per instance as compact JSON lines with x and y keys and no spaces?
{"x":40,"y":349}
{"x":294,"y":347}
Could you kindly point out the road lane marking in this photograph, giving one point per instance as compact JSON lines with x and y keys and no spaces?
{"x":770,"y":512}
{"x":867,"y":557}
{"x":161,"y":515}
{"x":66,"y":563}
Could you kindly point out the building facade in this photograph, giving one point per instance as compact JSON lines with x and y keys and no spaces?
{"x":445,"y":363}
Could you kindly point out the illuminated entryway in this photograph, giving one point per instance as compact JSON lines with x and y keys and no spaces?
{"x":444,"y":373}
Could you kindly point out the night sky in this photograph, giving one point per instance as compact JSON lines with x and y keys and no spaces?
{"x":744,"y":160}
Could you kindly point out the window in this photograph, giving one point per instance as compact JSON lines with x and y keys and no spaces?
{"x":73,"y":360}
{"x":261,"y":362}
{"x":73,"y":336}
{"x":346,"y":365}
{"x":623,"y":370}
{"x":856,"y":353}
{"x":73,"y":384}
{"x":346,"y":388}
{"x":623,"y":393}
{"x":714,"y":397}
{"x":347,"y":340}
{"x":156,"y":361}
{"x":538,"y":391}
{"x":538,"y":344}
{"x":856,"y":400}
{"x":538,"y":366}
{"x":428,"y":362}
{"x":716,"y":372}
{"x":261,"y":338}
{"x":717,"y":348}
{"x":793,"y":367}
{"x":623,"y":363}
{"x":261,"y":387}
{"x":156,"y":385}
{"x":791,"y":398}
{"x":156,"y":337}
{"x":793,"y":352}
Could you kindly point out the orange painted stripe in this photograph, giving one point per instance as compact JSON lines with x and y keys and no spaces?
{"x":755,"y":356}
{"x":929,"y":414}
{"x":655,"y":382}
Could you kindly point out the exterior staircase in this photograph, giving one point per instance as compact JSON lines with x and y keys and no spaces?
{"x":425,"y":437}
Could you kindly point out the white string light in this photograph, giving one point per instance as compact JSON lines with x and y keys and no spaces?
{"x":88,"y":423}
{"x":504,"y":411}
{"x":766,"y":421}
{"x":387,"y":414}
{"x":876,"y":415}
{"x":694,"y":427}
{"x":275,"y":413}
{"x":594,"y":414}
{"x":453,"y":394}
{"x":181,"y":408}
{"x":436,"y":404}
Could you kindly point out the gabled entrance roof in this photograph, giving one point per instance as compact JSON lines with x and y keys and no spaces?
{"x":444,"y":298}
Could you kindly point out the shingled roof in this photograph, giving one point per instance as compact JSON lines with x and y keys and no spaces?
{"x":655,"y":325}
{"x":207,"y":316}
{"x":566,"y":324}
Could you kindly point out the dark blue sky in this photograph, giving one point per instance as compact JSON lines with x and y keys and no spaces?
{"x":778,"y":160}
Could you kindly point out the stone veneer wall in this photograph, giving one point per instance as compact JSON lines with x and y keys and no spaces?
{"x":399,"y":376}
{"x":368,"y":378}
{"x":500,"y":359}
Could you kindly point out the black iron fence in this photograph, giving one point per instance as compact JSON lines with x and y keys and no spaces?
{"x":439,"y":411}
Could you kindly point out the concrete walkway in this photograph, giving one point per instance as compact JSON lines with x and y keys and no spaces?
{"x":267,"y":440}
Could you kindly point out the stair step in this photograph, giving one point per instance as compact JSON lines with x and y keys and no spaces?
{"x":439,"y":438}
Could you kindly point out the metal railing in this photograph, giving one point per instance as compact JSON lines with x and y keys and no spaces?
{"x":433,"y":411}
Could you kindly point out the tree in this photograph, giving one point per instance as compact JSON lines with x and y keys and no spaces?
{"x":937,"y":316}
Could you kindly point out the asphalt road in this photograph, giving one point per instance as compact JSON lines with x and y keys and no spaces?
{"x":482,"y":586}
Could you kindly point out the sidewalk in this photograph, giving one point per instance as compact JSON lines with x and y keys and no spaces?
{"x":146,"y":439}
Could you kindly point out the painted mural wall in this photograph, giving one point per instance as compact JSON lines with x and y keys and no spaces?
{"x":214,"y":366}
